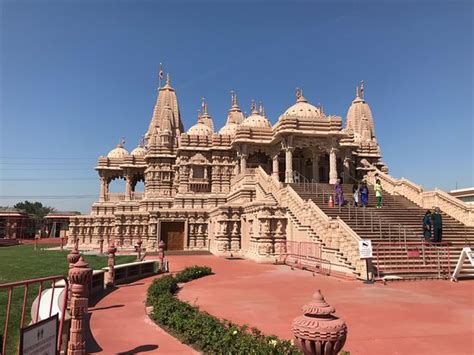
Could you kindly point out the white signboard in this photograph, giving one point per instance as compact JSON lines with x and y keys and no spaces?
{"x":40,"y":338}
{"x":365,"y":249}
{"x":465,"y":253}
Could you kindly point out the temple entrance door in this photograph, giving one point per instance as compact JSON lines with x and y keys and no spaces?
{"x":172,"y":233}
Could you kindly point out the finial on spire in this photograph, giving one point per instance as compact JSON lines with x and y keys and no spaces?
{"x":204,"y":105}
{"x":121,"y":143}
{"x":253,"y":107}
{"x":233,"y":95}
{"x":168,"y":82}
{"x":298,"y":93}
{"x":260,"y":107}
{"x":160,"y":75}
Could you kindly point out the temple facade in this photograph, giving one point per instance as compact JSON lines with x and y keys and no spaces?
{"x":201,"y":188}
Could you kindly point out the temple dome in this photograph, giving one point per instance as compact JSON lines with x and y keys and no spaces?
{"x":302,"y":108}
{"x":200,"y":129}
{"x":138,"y":152}
{"x":229,"y":129}
{"x":256,"y":120}
{"x":118,"y":152}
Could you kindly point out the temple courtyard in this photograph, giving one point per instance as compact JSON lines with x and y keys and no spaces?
{"x":400,"y":317}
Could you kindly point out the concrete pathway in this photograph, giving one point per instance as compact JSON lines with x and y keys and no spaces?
{"x":119,"y":325}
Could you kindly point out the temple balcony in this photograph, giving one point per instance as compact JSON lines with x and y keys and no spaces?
{"x":117,"y":197}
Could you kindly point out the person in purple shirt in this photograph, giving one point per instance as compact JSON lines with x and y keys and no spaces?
{"x":339,"y":193}
{"x":364,"y":194}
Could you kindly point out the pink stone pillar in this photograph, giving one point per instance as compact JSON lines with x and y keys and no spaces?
{"x":161,"y":254}
{"x":332,"y":166}
{"x":72,"y":258}
{"x":101,"y":245}
{"x":318,"y":331}
{"x":139,"y":250}
{"x":111,"y":264}
{"x":80,"y":277}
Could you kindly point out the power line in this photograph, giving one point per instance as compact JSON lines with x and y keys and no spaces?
{"x":45,"y":158}
{"x":46,"y":179}
{"x":46,"y":197}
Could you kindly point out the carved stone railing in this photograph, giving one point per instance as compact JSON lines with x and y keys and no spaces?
{"x":333,"y":233}
{"x":450,"y":205}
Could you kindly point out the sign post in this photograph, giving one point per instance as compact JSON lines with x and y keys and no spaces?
{"x":465,"y":253}
{"x":41,"y":337}
{"x":365,"y":252}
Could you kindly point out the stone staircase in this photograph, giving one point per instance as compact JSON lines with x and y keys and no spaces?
{"x":396,"y":233}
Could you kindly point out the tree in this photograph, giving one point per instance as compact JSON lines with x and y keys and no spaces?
{"x":36,"y":212}
{"x":34,"y":209}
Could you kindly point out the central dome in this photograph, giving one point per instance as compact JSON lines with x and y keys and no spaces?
{"x":256,"y":120}
{"x":302,"y":108}
{"x":229,"y":129}
{"x":200,"y":129}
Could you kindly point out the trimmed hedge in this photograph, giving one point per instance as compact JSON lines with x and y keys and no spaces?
{"x":202,"y":330}
{"x":192,"y":273}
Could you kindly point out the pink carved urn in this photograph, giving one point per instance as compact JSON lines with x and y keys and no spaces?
{"x":318,"y":331}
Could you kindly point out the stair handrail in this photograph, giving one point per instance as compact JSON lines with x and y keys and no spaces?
{"x":450,"y":205}
{"x":334,"y":233}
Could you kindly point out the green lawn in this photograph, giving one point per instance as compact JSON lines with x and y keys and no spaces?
{"x":22,"y":262}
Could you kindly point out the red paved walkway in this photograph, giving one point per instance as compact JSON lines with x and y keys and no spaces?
{"x":425,"y":317}
{"x":119,"y":325}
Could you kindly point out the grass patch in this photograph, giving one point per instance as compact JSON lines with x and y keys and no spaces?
{"x":22,"y":262}
{"x":203,"y":331}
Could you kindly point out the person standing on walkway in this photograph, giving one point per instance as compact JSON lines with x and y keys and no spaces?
{"x":427,"y":226}
{"x":437,"y":224}
{"x":378,"y":193}
{"x":364,"y":194}
{"x":339,"y":193}
{"x":355,"y":193}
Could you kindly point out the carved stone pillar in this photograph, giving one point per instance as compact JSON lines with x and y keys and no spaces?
{"x":128,"y":188}
{"x":332,"y":166}
{"x":80,"y":276}
{"x":72,"y":258}
{"x":161,"y":255}
{"x":111,"y":265}
{"x":289,"y":165}
{"x":347,"y":170}
{"x":236,"y":168}
{"x":275,"y":167}
{"x":318,"y":331}
{"x":103,"y":189}
{"x":315,"y":162}
{"x":243,"y":163}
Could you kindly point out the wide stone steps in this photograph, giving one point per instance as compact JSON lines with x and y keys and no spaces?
{"x":398,"y":221}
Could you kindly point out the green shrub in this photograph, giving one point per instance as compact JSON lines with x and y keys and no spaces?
{"x":202,"y":330}
{"x":165,"y":285}
{"x":192,"y":273}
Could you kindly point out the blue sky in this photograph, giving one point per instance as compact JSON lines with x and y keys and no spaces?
{"x":78,"y":75}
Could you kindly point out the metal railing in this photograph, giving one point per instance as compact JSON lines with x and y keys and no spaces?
{"x":305,"y":255}
{"x":27,"y":286}
{"x":413,"y":258}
